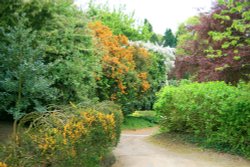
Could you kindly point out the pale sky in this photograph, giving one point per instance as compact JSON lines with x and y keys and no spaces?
{"x":161,"y":14}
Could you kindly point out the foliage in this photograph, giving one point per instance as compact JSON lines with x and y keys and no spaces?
{"x":167,"y":53}
{"x":148,"y":115}
{"x":49,"y":39}
{"x":162,"y":61}
{"x":82,"y":66}
{"x":220,"y":50}
{"x":120,"y":22}
{"x":155,"y":38}
{"x":184,"y":36}
{"x":126,"y":70}
{"x":75,"y":137}
{"x":140,"y":119}
{"x":75,"y":62}
{"x":106,"y":107}
{"x":215,"y":111}
{"x":169,"y":38}
{"x":23,"y":82}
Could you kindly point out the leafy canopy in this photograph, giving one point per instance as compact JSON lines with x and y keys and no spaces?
{"x":220,"y":49}
{"x":23,"y":82}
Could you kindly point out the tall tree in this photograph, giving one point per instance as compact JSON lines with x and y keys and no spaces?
{"x":51,"y":50}
{"x":156,"y":39}
{"x":24,"y":86}
{"x":185,"y":36}
{"x":120,"y":22}
{"x":169,"y":38}
{"x":222,"y":47}
{"x":149,"y":25}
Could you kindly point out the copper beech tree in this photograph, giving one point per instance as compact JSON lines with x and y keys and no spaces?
{"x":221,"y":49}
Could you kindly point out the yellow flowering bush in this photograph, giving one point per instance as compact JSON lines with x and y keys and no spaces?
{"x":77,"y":137}
{"x":2,"y":164}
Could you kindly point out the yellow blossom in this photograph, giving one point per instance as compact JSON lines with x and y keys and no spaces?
{"x":2,"y":164}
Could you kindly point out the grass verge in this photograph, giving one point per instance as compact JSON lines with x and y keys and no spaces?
{"x":140,"y":120}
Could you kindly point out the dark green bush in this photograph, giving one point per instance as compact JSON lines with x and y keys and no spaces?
{"x":24,"y":81}
{"x":47,"y":56}
{"x":215,"y":111}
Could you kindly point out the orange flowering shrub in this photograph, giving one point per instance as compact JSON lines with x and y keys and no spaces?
{"x":125,"y":67}
{"x":77,"y":138}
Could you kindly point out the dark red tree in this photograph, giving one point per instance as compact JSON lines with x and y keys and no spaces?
{"x":221,"y":50}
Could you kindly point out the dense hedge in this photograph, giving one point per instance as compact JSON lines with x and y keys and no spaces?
{"x":75,"y":137}
{"x":69,"y":55}
{"x":214,"y":111}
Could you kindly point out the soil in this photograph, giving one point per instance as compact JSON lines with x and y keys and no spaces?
{"x":5,"y":131}
{"x":139,"y":149}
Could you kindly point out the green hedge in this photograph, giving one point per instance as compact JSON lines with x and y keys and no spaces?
{"x":72,"y":137}
{"x":214,"y":111}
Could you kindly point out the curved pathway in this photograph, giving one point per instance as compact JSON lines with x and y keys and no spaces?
{"x":138,"y":149}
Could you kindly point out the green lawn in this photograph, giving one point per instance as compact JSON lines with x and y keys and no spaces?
{"x":140,"y":120}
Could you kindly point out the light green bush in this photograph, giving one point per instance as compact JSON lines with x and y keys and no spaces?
{"x":218,"y":112}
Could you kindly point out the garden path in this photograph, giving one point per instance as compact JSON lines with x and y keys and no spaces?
{"x":139,"y":149}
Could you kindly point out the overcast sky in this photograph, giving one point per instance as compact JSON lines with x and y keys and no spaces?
{"x":161,"y":14}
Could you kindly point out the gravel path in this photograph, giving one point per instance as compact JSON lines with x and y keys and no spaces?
{"x":138,"y":149}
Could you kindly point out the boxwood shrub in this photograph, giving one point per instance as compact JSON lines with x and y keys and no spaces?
{"x":214,"y":111}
